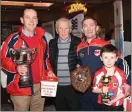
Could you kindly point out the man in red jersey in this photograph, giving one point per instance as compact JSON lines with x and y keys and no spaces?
{"x":33,"y":37}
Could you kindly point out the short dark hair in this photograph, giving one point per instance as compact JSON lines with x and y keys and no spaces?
{"x":28,"y":8}
{"x":109,"y":48}
{"x":89,"y":17}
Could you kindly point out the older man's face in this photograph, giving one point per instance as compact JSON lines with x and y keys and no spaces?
{"x":63,"y":29}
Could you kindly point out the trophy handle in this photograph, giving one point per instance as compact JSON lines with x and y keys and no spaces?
{"x":34,"y":52}
{"x":12,"y":53}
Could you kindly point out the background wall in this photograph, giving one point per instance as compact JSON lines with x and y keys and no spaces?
{"x":104,"y":13}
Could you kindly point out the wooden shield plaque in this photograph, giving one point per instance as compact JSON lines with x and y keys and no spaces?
{"x":81,"y":78}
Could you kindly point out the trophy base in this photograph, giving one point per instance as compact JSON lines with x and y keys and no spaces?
{"x":25,"y":84}
{"x":105,"y":100}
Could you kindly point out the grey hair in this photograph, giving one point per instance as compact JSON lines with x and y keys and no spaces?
{"x":64,"y":20}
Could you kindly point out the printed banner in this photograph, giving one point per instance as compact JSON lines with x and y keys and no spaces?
{"x":76,"y":20}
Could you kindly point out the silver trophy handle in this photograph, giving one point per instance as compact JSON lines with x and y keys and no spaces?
{"x":34,"y":51}
{"x":12,"y":53}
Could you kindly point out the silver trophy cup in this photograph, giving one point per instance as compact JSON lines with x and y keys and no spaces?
{"x":24,"y":56}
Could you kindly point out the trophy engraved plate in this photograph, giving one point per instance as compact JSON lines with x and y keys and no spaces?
{"x":24,"y":56}
{"x":105,"y":96}
{"x":81,"y":78}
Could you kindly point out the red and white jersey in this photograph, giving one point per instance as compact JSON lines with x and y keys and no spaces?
{"x":117,"y":80}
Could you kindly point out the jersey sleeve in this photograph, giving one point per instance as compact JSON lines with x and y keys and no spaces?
{"x":96,"y":81}
{"x":6,"y":61}
{"x":48,"y":66}
{"x":124,"y":81}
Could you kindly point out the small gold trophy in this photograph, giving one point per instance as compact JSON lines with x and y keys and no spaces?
{"x":105,"y":96}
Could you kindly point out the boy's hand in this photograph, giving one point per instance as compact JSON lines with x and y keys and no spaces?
{"x":105,"y":89}
{"x":115,"y":99}
{"x":127,"y":89}
{"x":110,"y":102}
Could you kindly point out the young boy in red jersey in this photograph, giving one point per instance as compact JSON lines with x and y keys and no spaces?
{"x":117,"y":78}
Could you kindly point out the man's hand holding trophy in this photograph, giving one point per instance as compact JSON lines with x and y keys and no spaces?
{"x":22,"y":69}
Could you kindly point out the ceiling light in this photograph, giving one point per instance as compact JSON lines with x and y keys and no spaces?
{"x":75,"y":7}
{"x":35,"y":4}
